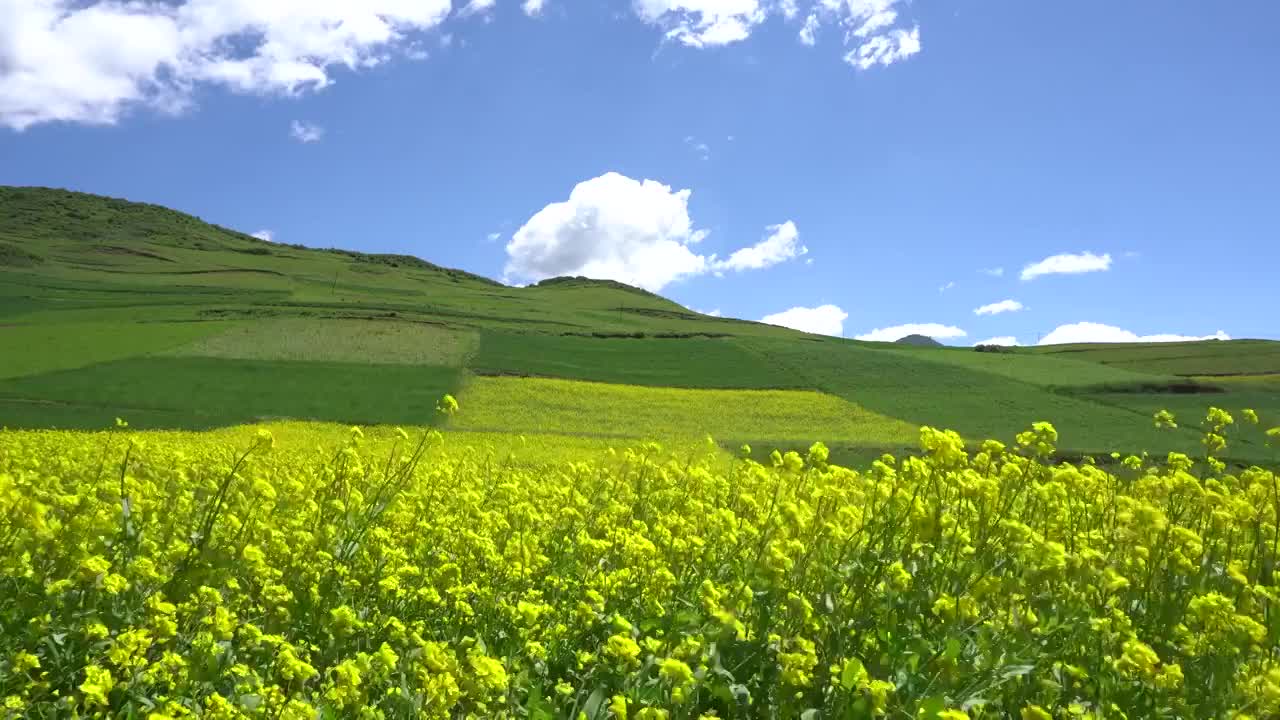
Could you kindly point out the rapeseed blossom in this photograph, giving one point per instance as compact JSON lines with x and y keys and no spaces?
{"x":247,"y":575}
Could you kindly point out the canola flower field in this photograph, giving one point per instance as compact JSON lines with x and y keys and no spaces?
{"x":173,"y":575}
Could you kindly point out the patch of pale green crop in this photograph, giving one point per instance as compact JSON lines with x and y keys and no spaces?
{"x":376,"y":342}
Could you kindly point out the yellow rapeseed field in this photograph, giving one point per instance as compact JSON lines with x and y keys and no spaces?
{"x":515,"y":404}
{"x":292,"y":577}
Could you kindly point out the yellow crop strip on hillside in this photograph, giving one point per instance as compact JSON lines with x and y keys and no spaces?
{"x":512,"y":404}
{"x":301,"y":574}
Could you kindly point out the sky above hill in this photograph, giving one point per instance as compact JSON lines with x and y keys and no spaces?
{"x":972,"y":170}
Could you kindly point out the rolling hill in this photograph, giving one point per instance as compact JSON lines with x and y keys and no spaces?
{"x":110,"y":308}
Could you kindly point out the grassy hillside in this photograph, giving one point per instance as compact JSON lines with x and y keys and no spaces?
{"x":110,"y":308}
{"x":1216,"y":358}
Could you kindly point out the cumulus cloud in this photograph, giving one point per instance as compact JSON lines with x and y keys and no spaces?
{"x":306,"y":132}
{"x":809,"y":31}
{"x":268,"y":235}
{"x":637,"y":232}
{"x":821,"y":320}
{"x":703,"y":23}
{"x":996,"y":308}
{"x":885,"y":49}
{"x":710,"y":313}
{"x":91,"y":62}
{"x":1067,"y":264}
{"x":782,"y":244}
{"x":1003,"y":340}
{"x":993,"y":272}
{"x":947,"y":287}
{"x":1089,"y":332}
{"x":936,"y":331}
{"x":873,"y":32}
{"x":476,"y":7}
{"x":65,"y":61}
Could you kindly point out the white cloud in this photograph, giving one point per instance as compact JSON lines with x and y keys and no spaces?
{"x":65,"y":61}
{"x":821,"y":320}
{"x":809,"y":32}
{"x":476,"y":7}
{"x":1089,"y":332}
{"x":1067,"y":264}
{"x":703,"y":150}
{"x":947,"y":287}
{"x":873,"y":34}
{"x":993,"y":272}
{"x":885,"y":49}
{"x":710,"y":313}
{"x":703,"y":23}
{"x":306,"y":132}
{"x":91,"y":62}
{"x":268,"y":235}
{"x":1003,"y":340}
{"x":493,"y":236}
{"x":782,"y":244}
{"x":999,"y":307}
{"x":936,"y":331}
{"x":636,"y":232}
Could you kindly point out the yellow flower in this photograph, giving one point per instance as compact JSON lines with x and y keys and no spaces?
{"x":1137,"y":659}
{"x":675,"y":672}
{"x":94,"y":566}
{"x":618,"y":706}
{"x":25,"y":662}
{"x":96,"y":686}
{"x":487,"y":675}
{"x":623,"y":649}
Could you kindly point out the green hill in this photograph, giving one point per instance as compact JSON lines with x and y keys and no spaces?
{"x":110,"y":308}
{"x":919,"y":341}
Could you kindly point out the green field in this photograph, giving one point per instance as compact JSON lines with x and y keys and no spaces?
{"x":1215,"y":358}
{"x":41,"y":347}
{"x":378,"y":342}
{"x":673,"y":362}
{"x":164,"y":392}
{"x":116,"y":309}
{"x":536,"y":405}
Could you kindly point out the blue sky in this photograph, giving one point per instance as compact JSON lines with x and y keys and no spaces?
{"x":704,"y":148}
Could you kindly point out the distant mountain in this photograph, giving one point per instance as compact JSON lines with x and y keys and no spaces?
{"x":919,"y":340}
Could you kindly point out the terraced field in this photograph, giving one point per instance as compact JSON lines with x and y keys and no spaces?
{"x":536,"y":405}
{"x":115,"y":309}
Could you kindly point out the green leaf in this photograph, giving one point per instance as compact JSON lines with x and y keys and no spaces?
{"x":1013,"y":671}
{"x":860,"y":709}
{"x":852,"y":672}
{"x":594,"y":703}
{"x":932,"y":708}
{"x":539,"y":708}
{"x":954,"y":646}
